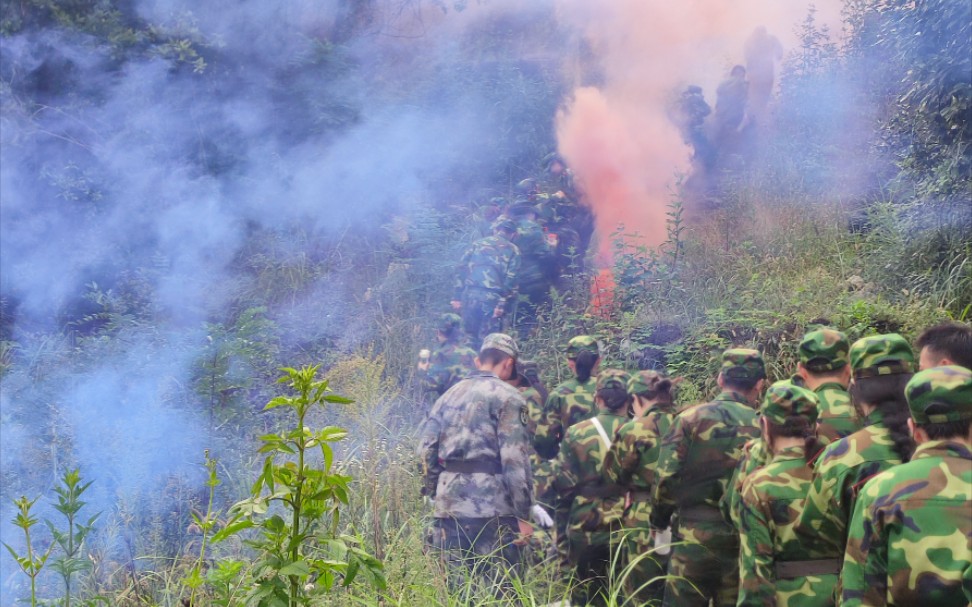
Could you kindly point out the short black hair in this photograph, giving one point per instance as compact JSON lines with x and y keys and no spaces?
{"x":952,"y":340}
{"x":492,"y":356}
{"x":945,"y":430}
{"x":739,"y":384}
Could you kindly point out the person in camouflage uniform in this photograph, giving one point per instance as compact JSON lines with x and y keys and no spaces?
{"x":486,"y":280}
{"x":536,"y":263}
{"x":910,"y":540}
{"x":475,"y":456}
{"x":946,"y":344}
{"x":631,"y":463}
{"x":573,"y":400}
{"x":776,"y":566}
{"x":595,"y":507}
{"x":697,"y":459}
{"x":450,"y":361}
{"x":824,"y":368}
{"x":881,"y":365}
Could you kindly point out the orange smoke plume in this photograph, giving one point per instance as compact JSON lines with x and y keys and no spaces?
{"x":616,"y":137}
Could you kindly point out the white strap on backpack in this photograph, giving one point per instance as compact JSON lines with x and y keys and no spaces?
{"x":600,"y":430}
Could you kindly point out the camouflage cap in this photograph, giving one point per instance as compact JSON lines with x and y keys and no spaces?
{"x":580,"y":344}
{"x":448,"y":322}
{"x":940,"y":394}
{"x":502,"y":342}
{"x":877,"y":355}
{"x":612,"y":379}
{"x":551,"y":158}
{"x":504,"y":223}
{"x":743,"y":363}
{"x":784,"y":399}
{"x":644,"y":382}
{"x":526,"y":186}
{"x":824,"y":350}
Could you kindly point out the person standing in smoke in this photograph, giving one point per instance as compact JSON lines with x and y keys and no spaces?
{"x":486,"y":280}
{"x":689,"y":115}
{"x":762,"y":51}
{"x":730,"y":109}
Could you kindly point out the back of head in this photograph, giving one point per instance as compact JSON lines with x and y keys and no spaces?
{"x":940,"y":400}
{"x":741,"y":369}
{"x":950,"y":340}
{"x":824,"y":351}
{"x":651,"y":385}
{"x":584,"y":351}
{"x":612,"y":388}
{"x":496,"y":348}
{"x":881,"y":366}
{"x":448,"y":325}
{"x":504,"y":226}
{"x":791,"y":411}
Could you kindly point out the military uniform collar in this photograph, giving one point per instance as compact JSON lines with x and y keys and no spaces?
{"x":874,"y":417}
{"x":478,"y":373}
{"x":831,"y":385}
{"x":943,"y":448}
{"x":734,"y":397}
{"x":788,"y":453}
{"x":660,"y":408}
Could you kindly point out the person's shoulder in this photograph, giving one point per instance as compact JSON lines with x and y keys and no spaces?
{"x":568,"y":386}
{"x":580,"y":431}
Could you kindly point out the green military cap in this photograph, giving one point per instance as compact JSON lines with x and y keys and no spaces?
{"x":824,"y":350}
{"x":612,"y":379}
{"x":502,"y":342}
{"x":743,"y":363}
{"x":785,"y":399}
{"x":504,"y":223}
{"x":645,"y":382}
{"x":877,"y":355}
{"x":579,"y":344}
{"x":551,"y":158}
{"x":526,"y":186}
{"x":448,"y":322}
{"x":940,"y":394}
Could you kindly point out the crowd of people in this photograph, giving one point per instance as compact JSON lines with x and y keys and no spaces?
{"x":848,"y":483}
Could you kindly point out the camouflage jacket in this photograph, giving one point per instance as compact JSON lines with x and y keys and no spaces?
{"x":839,"y":472}
{"x":911,"y":538}
{"x":633,"y":458}
{"x":480,"y":419}
{"x":698,"y":456}
{"x":755,"y":456}
{"x":770,"y":503}
{"x":578,"y":469}
{"x":491,"y":264}
{"x":837,"y":417}
{"x":569,"y":403}
{"x":536,"y":256}
{"x":449,"y":363}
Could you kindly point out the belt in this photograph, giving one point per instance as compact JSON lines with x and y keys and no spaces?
{"x":789,"y":570}
{"x":474,"y":466}
{"x":701,"y":514}
{"x":640,"y":496}
{"x":601,"y":491}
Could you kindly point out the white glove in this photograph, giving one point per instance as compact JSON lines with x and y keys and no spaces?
{"x":540,"y":517}
{"x":663,"y":541}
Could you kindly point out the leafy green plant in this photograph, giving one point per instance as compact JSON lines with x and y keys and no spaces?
{"x":71,"y":540}
{"x":31,"y":563}
{"x":296,"y":506}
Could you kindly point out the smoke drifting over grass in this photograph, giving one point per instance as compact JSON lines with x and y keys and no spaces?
{"x":616,"y":135}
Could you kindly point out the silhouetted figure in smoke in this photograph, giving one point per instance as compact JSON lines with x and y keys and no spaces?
{"x":688,"y":114}
{"x":730,"y":110}
{"x":762,"y":51}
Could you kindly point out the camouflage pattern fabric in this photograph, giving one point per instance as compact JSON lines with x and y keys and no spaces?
{"x":771,"y":501}
{"x":824,"y":350}
{"x":479,"y":557}
{"x":837,"y":415}
{"x":755,"y":455}
{"x":911,"y":537}
{"x":569,"y":403}
{"x":698,"y":456}
{"x":878,"y":355}
{"x":480,"y":419}
{"x":449,"y":363}
{"x":940,"y":395}
{"x":536,"y":259}
{"x":839,"y":472}
{"x":742,"y":363}
{"x":631,"y":462}
{"x":591,"y":520}
{"x":486,"y":278}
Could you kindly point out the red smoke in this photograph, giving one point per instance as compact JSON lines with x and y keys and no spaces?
{"x":617,"y":137}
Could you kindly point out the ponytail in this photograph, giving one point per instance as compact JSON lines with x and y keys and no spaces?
{"x":887,"y":394}
{"x":584,"y":364}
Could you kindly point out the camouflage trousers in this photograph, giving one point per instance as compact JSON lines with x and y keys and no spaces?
{"x":701,"y":572}
{"x":591,"y":564}
{"x":642,"y":565}
{"x":478,"y":306}
{"x":478,"y":555}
